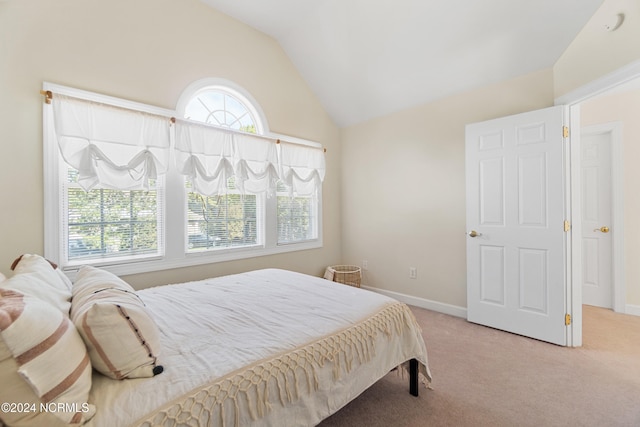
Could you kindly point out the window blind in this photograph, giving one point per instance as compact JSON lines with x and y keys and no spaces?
{"x":108,"y":223}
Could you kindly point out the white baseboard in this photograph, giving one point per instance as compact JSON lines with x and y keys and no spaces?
{"x":632,"y":309}
{"x":454,"y":310}
{"x":440,"y":307}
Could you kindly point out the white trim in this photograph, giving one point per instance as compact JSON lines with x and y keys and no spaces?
{"x":106,"y":99}
{"x":602,"y":84}
{"x":633,"y":310}
{"x":52,"y":205}
{"x":617,"y":178}
{"x":294,"y":139}
{"x":194,"y":259}
{"x":573,"y":330}
{"x":574,"y":254}
{"x":440,"y":307}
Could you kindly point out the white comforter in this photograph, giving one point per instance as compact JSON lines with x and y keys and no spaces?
{"x":213,"y":328}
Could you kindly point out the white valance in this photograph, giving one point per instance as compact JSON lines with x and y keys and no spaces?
{"x":205,"y":156}
{"x":111,"y":147}
{"x":119,"y":148}
{"x":256,"y":164}
{"x":208,"y":156}
{"x":302,"y":168}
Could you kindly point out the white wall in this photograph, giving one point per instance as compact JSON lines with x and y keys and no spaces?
{"x":403,"y":199}
{"x":147,"y":51}
{"x":624,"y":108}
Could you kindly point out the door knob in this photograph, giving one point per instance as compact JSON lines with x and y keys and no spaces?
{"x":604,"y":229}
{"x":474,"y":233}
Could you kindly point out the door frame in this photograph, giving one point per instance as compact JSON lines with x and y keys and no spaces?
{"x":571,"y":102}
{"x":617,"y":206}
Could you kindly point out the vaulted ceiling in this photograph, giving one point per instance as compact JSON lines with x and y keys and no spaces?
{"x":369,"y":58}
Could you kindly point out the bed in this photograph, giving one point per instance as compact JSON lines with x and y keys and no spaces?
{"x":264,"y":348}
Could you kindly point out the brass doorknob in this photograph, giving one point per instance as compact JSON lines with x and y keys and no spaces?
{"x":603,"y":229}
{"x":474,"y":233}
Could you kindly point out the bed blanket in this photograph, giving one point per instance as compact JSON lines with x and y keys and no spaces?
{"x":268,"y":347}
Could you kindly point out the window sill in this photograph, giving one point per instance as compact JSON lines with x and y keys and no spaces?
{"x":190,"y":259}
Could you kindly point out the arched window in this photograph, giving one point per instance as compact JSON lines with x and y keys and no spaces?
{"x":221,"y":102}
{"x":233,"y":219}
{"x":230,"y":219}
{"x":220,"y":106}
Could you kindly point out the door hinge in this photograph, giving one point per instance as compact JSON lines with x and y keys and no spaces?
{"x":567,"y":319}
{"x":565,"y":132}
{"x":567,"y":226}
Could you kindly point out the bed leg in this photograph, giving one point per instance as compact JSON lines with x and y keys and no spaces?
{"x":413,"y":377}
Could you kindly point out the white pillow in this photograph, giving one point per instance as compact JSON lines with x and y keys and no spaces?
{"x":42,"y":361}
{"x":122,"y":339}
{"x":35,"y":276}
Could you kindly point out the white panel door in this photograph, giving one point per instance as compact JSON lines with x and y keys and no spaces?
{"x":515,"y":224}
{"x":595,"y":194}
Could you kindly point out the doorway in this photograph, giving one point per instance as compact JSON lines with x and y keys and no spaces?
{"x":601,"y":211}
{"x":573,"y":102}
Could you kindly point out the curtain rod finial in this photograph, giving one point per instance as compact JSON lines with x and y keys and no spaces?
{"x":47,"y":96}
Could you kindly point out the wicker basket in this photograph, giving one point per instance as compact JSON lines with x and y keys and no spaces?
{"x":348,"y":274}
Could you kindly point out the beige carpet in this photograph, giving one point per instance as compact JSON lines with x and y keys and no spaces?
{"x":485,"y":377}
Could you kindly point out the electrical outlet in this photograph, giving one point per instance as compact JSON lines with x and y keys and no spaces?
{"x":365,"y":264}
{"x":413,"y":273}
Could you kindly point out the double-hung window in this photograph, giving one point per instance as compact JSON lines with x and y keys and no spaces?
{"x":134,"y":188}
{"x":106,"y":223}
{"x":297,"y":217}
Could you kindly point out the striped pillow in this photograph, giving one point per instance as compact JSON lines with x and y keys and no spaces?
{"x":43,"y":362}
{"x":35,"y":276}
{"x":122,"y":339}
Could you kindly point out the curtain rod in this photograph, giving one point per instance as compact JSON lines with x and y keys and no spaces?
{"x":256,"y":135}
{"x":48,"y":96}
